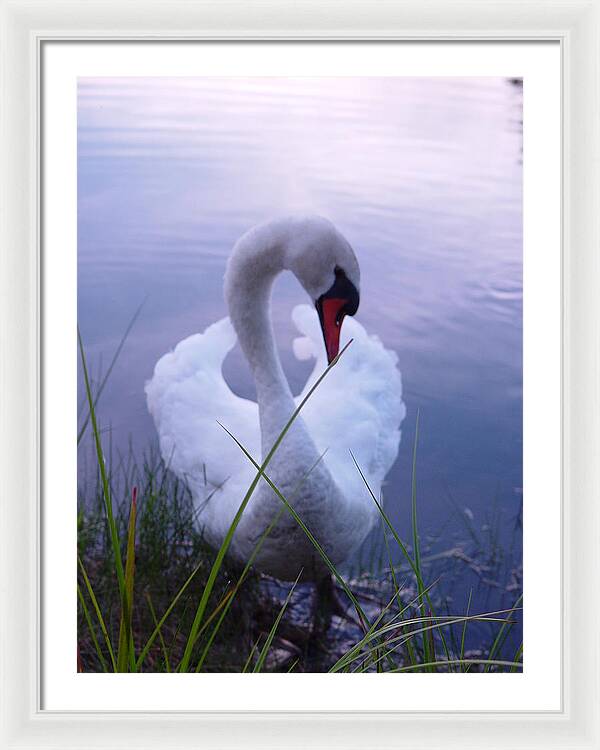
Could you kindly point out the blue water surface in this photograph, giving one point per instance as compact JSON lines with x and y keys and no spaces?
{"x":424,"y":178}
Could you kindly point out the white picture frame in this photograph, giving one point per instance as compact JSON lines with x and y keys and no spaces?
{"x":24,"y":26}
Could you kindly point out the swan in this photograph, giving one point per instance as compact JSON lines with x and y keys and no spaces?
{"x":356,"y":411}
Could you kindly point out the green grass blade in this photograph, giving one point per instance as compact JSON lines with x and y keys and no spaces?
{"x":391,"y":564}
{"x":409,"y":646}
{"x":267,"y":644}
{"x":155,"y":633}
{"x":464,"y":629}
{"x":518,"y":659}
{"x":88,"y":620}
{"x":160,"y":636}
{"x":238,"y":585}
{"x":439,"y":623}
{"x":113,"y":362}
{"x":222,"y":606}
{"x":126,"y":653}
{"x":503,"y":631}
{"x":114,"y":536}
{"x":421,"y":588}
{"x":253,"y":650}
{"x":98,"y":612}
{"x":415,"y":531}
{"x":185,"y":661}
{"x":248,"y":565}
{"x":411,"y":652}
{"x":459,"y":662}
{"x":161,"y":622}
{"x":313,"y":540}
{"x":436,"y":624}
{"x":357,"y":648}
{"x":429,"y":656}
{"x":388,"y":523}
{"x":427,"y":623}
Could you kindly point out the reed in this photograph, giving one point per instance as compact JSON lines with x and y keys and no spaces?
{"x":153,"y":596}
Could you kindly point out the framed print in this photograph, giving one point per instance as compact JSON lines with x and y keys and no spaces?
{"x":151,"y":412}
{"x":299,"y":375}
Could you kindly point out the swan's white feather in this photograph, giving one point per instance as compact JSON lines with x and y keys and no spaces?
{"x":358,"y":408}
{"x":188,"y":397}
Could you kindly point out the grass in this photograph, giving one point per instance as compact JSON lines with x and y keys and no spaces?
{"x":154,"y":597}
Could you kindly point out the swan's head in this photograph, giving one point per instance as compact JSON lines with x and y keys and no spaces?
{"x":339,"y":300}
{"x":326,"y":266}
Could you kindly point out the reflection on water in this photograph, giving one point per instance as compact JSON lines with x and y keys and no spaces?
{"x":423,"y":176}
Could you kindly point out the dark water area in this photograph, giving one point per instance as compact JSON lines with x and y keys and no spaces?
{"x":424,"y":178}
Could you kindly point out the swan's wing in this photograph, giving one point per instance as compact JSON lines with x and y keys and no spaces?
{"x":188,"y":397}
{"x":358,"y":407}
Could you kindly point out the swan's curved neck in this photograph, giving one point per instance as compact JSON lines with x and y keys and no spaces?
{"x":258,"y":257}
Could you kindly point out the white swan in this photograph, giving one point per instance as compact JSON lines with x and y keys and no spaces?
{"x":358,"y":407}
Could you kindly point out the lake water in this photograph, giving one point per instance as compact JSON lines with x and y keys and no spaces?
{"x":424,"y":178}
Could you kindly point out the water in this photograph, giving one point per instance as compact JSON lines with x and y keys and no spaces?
{"x":423,"y":176}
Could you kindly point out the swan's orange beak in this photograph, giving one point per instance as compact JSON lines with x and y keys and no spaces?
{"x":331,"y":314}
{"x":333,"y":306}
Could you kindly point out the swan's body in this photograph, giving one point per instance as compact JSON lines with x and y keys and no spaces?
{"x":357,"y":408}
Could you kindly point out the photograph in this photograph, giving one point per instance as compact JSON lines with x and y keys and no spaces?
{"x":300,"y":374}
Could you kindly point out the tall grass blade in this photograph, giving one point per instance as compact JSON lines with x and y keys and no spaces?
{"x":460,"y":662}
{"x":238,"y":585}
{"x":88,"y":620}
{"x":98,"y":612}
{"x":267,"y":644}
{"x":253,"y":650}
{"x":184,"y":664}
{"x":423,"y":594}
{"x":248,"y":565}
{"x":163,"y":646}
{"x":429,"y":656}
{"x":424,"y":631}
{"x":397,"y":625}
{"x":126,"y":652}
{"x":113,"y":362}
{"x":355,"y":650}
{"x":363,"y":617}
{"x":503,"y":632}
{"x":464,"y":629}
{"x":114,"y":536}
{"x":518,"y":659}
{"x":409,"y":647}
{"x":144,"y":652}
